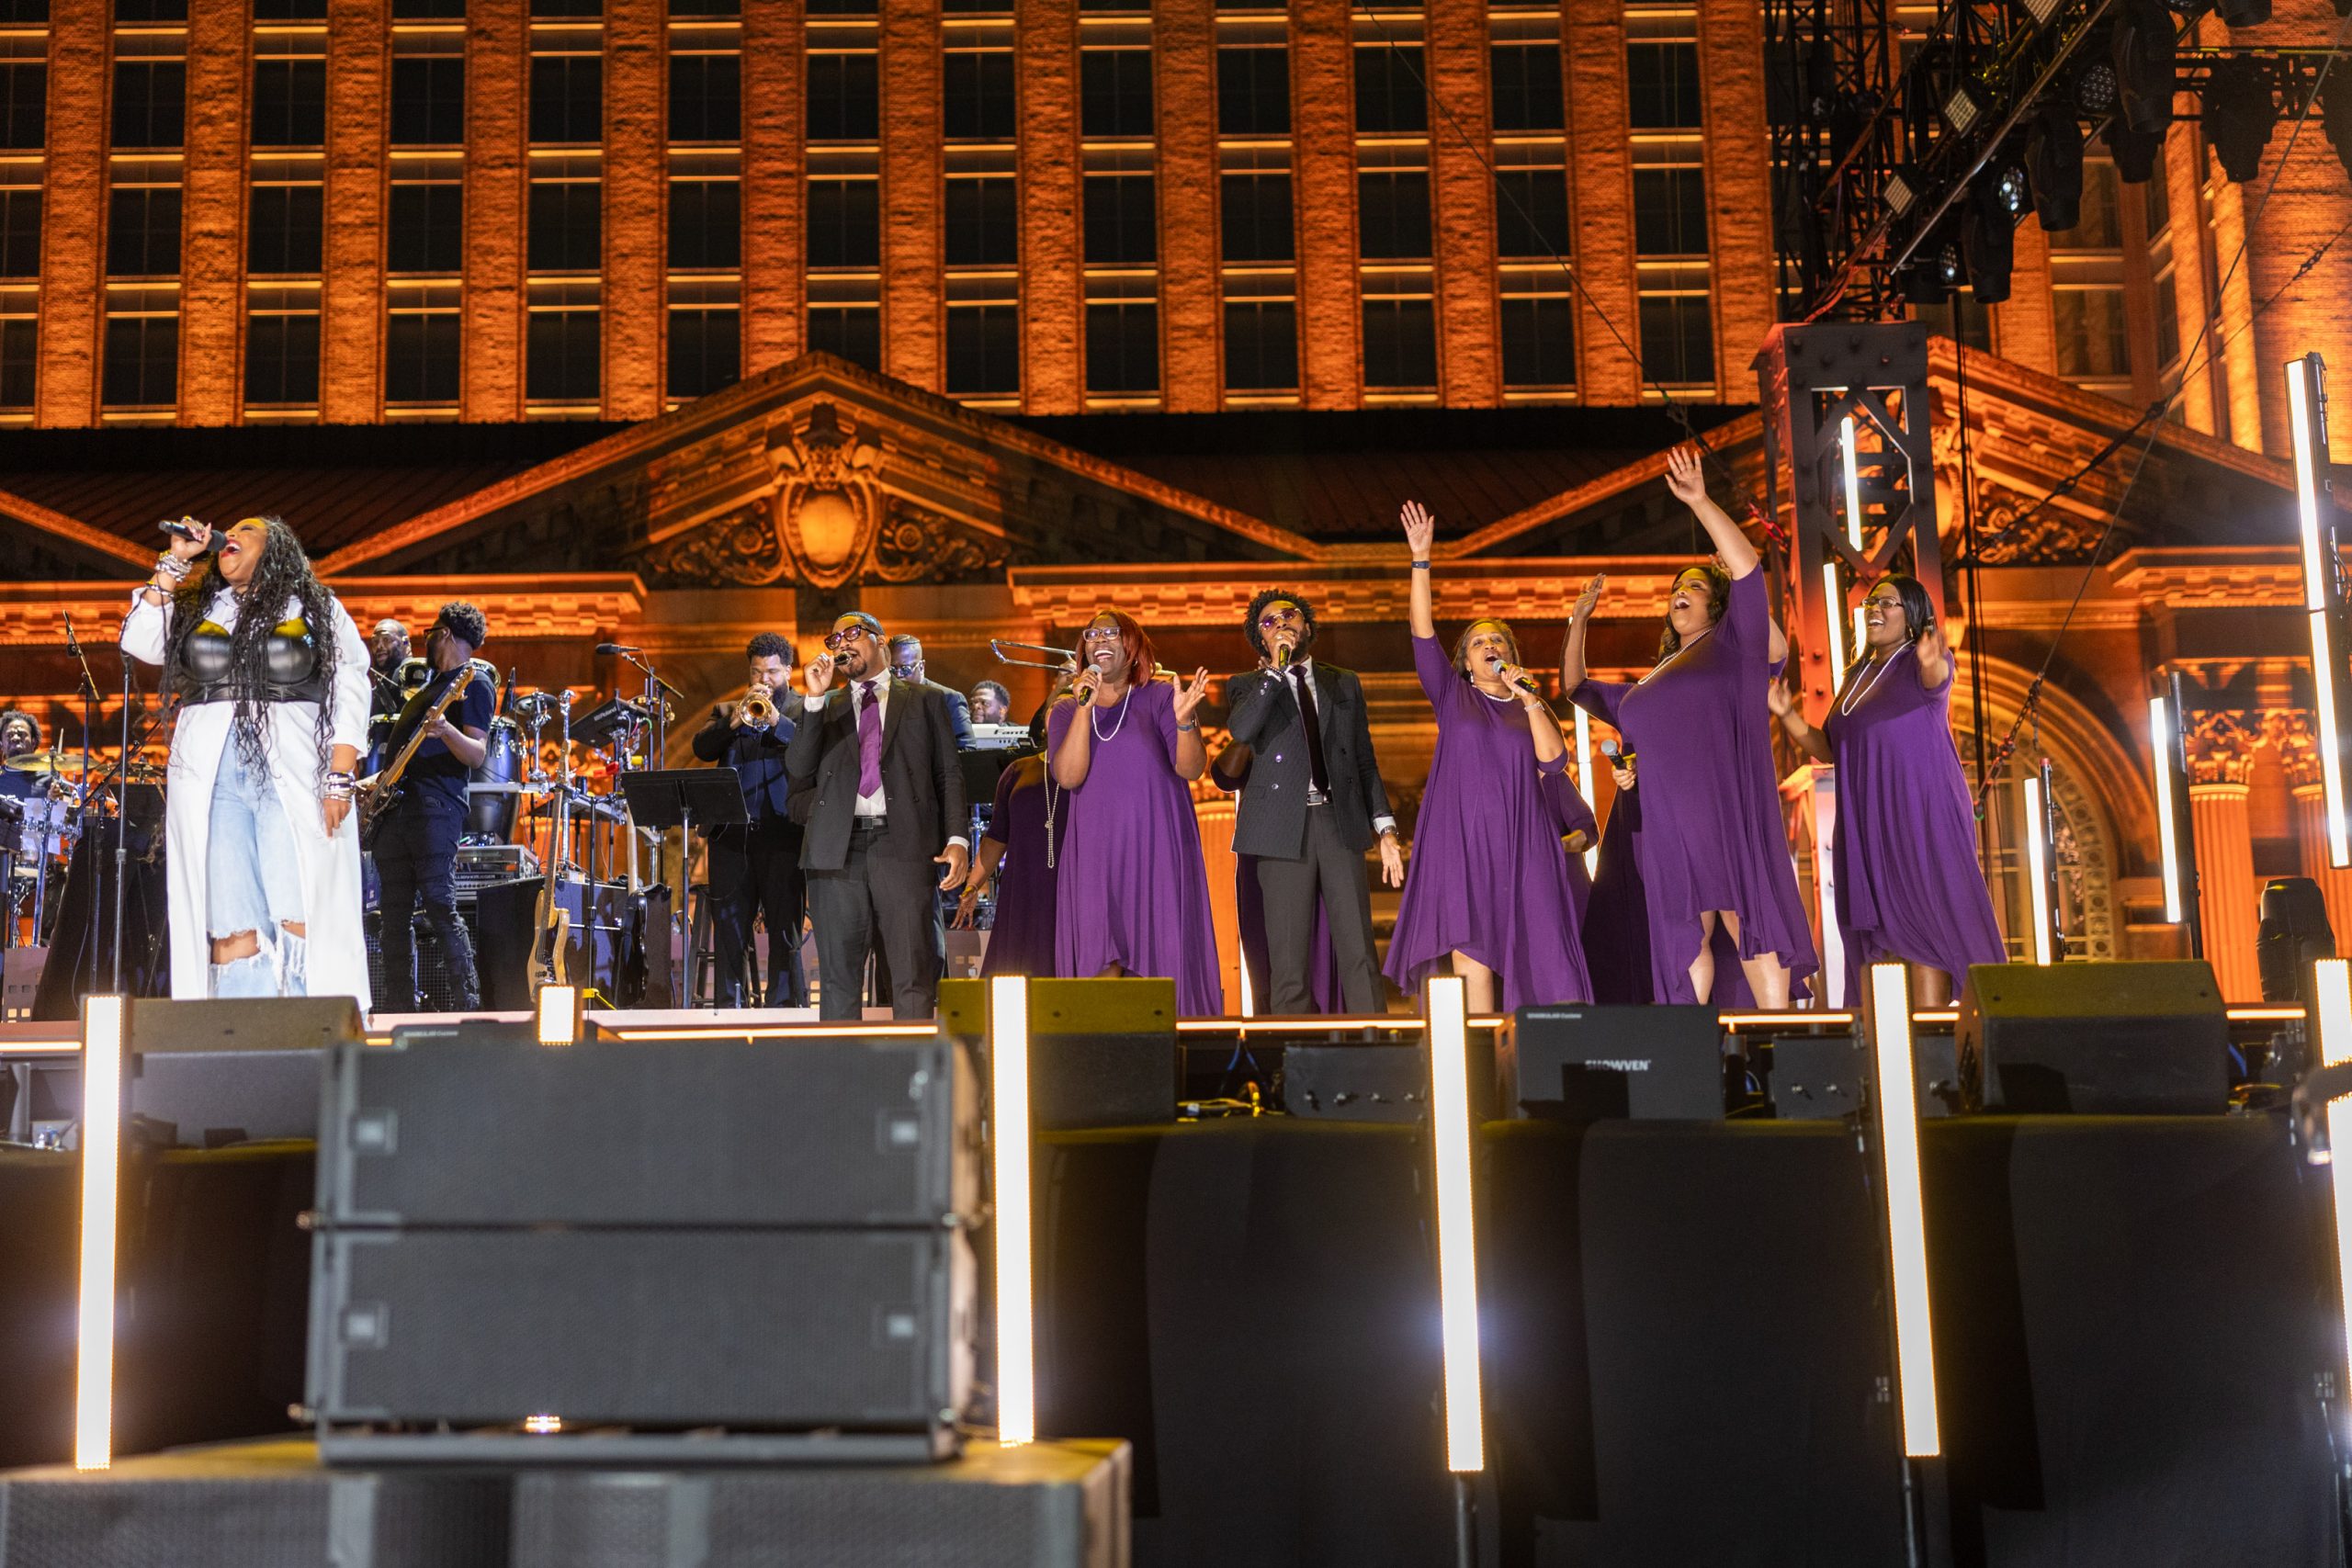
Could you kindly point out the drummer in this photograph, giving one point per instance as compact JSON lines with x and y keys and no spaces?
{"x":20,"y":743}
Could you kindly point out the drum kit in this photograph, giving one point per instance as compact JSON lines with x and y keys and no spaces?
{"x":62,"y":791}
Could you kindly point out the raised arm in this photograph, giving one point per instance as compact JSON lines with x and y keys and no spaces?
{"x":1190,"y":753}
{"x":1572,"y":666}
{"x":1421,"y":532}
{"x":1934,"y":655}
{"x":1689,"y":482}
{"x":1808,"y":739}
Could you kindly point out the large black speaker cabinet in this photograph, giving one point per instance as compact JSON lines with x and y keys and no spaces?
{"x":2106,"y":1039}
{"x":1598,"y":1062}
{"x":224,"y":1071}
{"x":618,"y":941}
{"x":672,"y":1327}
{"x":1102,"y":1052}
{"x":469,"y":1131}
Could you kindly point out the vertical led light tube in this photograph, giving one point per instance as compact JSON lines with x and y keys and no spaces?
{"x":103,"y":1027}
{"x":1833,"y":604}
{"x":2168,"y":826}
{"x":1016,"y":1371}
{"x":1584,"y":787}
{"x":2331,"y":1006}
{"x":1853,"y":520}
{"x":1896,"y":1107}
{"x":2303,"y":405}
{"x":2037,"y":862}
{"x":1825,"y":883}
{"x":1457,"y":1248}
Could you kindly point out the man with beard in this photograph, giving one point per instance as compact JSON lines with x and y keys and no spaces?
{"x":881,"y":800}
{"x":1313,"y":804}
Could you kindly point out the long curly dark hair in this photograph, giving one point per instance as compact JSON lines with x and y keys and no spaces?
{"x":283,"y":573}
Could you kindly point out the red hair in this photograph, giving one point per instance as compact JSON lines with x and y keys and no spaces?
{"x":1143,"y":659}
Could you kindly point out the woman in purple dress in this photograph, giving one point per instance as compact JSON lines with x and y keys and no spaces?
{"x":1908,"y":883}
{"x":1133,"y":894}
{"x":1712,"y":850}
{"x":1489,"y":889}
{"x":1016,"y":855}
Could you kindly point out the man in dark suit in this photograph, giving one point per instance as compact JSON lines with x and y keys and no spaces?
{"x":1312,"y":805}
{"x":881,"y":801}
{"x":755,"y":867}
{"x":906,"y":663}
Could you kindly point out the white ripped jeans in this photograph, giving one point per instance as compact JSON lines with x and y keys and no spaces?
{"x":253,"y":882}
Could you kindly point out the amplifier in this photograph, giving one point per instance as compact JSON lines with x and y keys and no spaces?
{"x":672,"y":1328}
{"x":436,"y":991}
{"x":2102,"y":1039}
{"x":622,"y":1132}
{"x":1357,"y":1083}
{"x":1821,"y":1078}
{"x":1102,"y":1052}
{"x":1647,"y":1063}
{"x":479,"y":864}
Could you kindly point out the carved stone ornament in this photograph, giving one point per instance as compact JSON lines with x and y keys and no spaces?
{"x":2221,"y":746}
{"x":2007,"y":536}
{"x":828,"y":505}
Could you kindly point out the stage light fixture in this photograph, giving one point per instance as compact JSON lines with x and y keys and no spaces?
{"x":1992,"y":246}
{"x":2054,"y":156}
{"x":1899,"y":194}
{"x":2143,"y":51}
{"x":2332,"y":1011}
{"x":2038,"y":857}
{"x":1584,"y":787}
{"x":2094,"y":88}
{"x":2307,"y":416}
{"x":105,"y":1024}
{"x":2240,"y":114}
{"x":2160,"y":744}
{"x":1017,"y":1369}
{"x":558,"y":1014}
{"x":1446,"y":1004}
{"x":2011,"y":189}
{"x":1951,"y":269}
{"x":1896,"y":1108}
{"x":2133,"y":152}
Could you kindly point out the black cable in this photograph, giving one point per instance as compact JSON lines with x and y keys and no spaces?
{"x":2041,"y":676}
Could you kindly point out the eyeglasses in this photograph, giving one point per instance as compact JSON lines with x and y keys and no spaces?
{"x":1276,"y":620}
{"x":1100,"y":634}
{"x":836,"y":641}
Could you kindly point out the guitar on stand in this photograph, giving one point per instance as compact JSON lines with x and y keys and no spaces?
{"x":550,"y":921}
{"x":383,"y":792}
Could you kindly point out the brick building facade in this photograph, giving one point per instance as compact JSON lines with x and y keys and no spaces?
{"x":349,"y":211}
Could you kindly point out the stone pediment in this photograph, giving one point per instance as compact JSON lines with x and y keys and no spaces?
{"x":820,"y":474}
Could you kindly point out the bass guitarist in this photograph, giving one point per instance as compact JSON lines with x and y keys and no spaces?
{"x":416,"y":839}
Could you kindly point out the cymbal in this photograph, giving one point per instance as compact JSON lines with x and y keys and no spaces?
{"x":69,"y":763}
{"x":28,"y":762}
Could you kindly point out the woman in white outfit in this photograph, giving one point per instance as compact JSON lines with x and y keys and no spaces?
{"x":263,"y":862}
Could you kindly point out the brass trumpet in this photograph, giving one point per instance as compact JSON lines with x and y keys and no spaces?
{"x":758,"y":707}
{"x":1065,"y":662}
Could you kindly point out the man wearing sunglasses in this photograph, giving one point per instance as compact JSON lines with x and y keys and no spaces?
{"x":1312,"y":805}
{"x":876,"y":781}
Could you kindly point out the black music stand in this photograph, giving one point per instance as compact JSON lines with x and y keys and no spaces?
{"x":685,"y":798}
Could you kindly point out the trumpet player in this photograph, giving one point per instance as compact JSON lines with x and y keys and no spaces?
{"x":755,"y":867}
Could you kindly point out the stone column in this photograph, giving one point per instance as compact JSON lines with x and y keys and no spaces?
{"x":1740,"y":187}
{"x":1470,"y":348}
{"x":912,"y":342}
{"x":351,"y":297}
{"x":2290,"y":731}
{"x":1184,"y":62}
{"x":774,"y":249}
{"x":1323,"y":120}
{"x":2221,"y":762}
{"x":212,"y":232}
{"x":1601,"y":192}
{"x":636,"y":141}
{"x":496,"y":87}
{"x":1052,"y":214}
{"x":73,"y":209}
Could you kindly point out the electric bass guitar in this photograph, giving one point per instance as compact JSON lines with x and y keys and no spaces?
{"x":385,"y":792}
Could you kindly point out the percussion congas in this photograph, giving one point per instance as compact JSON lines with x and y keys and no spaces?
{"x":494,"y":790}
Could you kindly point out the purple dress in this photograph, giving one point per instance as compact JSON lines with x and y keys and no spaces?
{"x":1710,"y":836}
{"x":1571,"y":815}
{"x":1133,"y":889}
{"x":1908,"y":884}
{"x":1488,"y":877}
{"x":1022,"y":940}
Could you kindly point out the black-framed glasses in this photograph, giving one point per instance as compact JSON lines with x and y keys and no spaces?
{"x":836,"y":641}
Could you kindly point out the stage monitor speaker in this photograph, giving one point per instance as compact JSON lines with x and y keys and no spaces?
{"x":224,"y":1071}
{"x":1358,"y":1082}
{"x":1653,"y":1062}
{"x":2100,"y":1039}
{"x":825,"y":1132}
{"x":1819,"y":1078}
{"x":672,"y":1328}
{"x":1102,"y":1052}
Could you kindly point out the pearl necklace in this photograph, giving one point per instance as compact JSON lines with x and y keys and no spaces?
{"x":1117,"y":724}
{"x":1856,"y":691}
{"x":1660,"y":668}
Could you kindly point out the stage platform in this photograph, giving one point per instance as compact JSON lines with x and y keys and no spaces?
{"x":269,"y":1504}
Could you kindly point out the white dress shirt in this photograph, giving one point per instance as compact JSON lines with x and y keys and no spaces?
{"x":875,"y":805}
{"x":1306,"y":666}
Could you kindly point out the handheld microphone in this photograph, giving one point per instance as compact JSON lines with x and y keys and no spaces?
{"x":1616,"y":754}
{"x":1525,"y":682}
{"x":181,"y":528}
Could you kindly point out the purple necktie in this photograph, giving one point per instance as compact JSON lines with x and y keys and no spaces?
{"x":869,"y":741}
